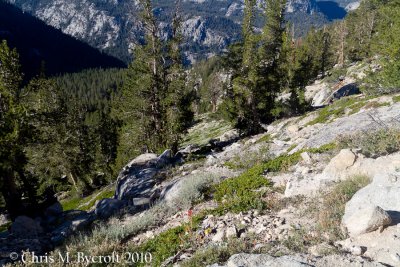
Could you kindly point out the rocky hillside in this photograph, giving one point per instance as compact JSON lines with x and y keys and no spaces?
{"x":209,"y":26}
{"x":317,"y":190}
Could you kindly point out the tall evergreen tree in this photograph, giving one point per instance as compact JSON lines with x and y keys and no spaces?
{"x":13,"y":181}
{"x":155,"y":104}
{"x":246,"y":93}
{"x":179,"y":114}
{"x":260,"y":76}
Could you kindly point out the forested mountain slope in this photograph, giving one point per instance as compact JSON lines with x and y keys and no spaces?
{"x":39,"y":43}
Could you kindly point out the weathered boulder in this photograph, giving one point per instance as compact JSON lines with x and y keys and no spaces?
{"x":79,"y":222}
{"x":25,"y":227}
{"x":107,"y":207}
{"x":365,"y":220}
{"x":346,"y":90}
{"x":306,"y":158}
{"x":164,"y":159}
{"x":137,"y":179}
{"x":320,"y":98}
{"x":229,"y":136}
{"x":339,"y":164}
{"x":142,"y":159}
{"x":382,"y":192}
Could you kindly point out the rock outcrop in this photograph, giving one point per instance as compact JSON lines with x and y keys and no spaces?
{"x":365,"y":220}
{"x":137,"y":180}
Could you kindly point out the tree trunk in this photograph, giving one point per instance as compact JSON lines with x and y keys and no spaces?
{"x":11,"y":196}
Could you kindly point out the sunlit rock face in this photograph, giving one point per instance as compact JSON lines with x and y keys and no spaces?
{"x":112,"y":25}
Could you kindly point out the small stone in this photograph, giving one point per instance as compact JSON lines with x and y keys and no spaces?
{"x":306,"y":171}
{"x":231,"y":232}
{"x":293,"y":129}
{"x":320,"y":249}
{"x":149,"y":234}
{"x":219,"y":236}
{"x":357,"y":250}
{"x":260,"y":229}
{"x":258,"y":246}
{"x":306,"y":158}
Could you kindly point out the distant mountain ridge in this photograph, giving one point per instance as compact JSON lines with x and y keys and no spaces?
{"x":209,"y":25}
{"x":37,"y":42}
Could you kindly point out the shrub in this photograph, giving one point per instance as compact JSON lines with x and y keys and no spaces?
{"x":300,"y":240}
{"x":330,"y":215}
{"x":396,"y":99}
{"x":217,"y":254}
{"x":243,"y":192}
{"x":338,"y":109}
{"x":79,"y":203}
{"x":239,"y":193}
{"x":165,"y":245}
{"x":375,"y":143}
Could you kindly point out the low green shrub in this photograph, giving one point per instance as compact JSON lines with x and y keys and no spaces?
{"x":396,"y":99}
{"x":243,"y":193}
{"x":217,"y":254}
{"x":374,"y":143}
{"x":338,"y":109}
{"x":86,"y":203}
{"x":165,"y":245}
{"x":240,"y":193}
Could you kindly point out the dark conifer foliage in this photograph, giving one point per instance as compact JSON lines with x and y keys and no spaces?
{"x":155,"y":104}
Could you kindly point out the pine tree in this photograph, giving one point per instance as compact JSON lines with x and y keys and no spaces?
{"x":245,"y":83}
{"x":155,"y":104}
{"x":144,"y":88}
{"x":179,"y":115}
{"x":12,"y":123}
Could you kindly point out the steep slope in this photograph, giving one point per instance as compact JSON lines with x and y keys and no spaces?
{"x":37,"y":42}
{"x":210,"y":25}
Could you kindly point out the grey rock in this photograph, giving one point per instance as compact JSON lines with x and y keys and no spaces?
{"x":345,"y":261}
{"x":325,"y":134}
{"x":164,"y":159}
{"x":137,"y":180}
{"x":82,"y":222}
{"x":140,"y":202}
{"x":320,"y":98}
{"x":25,"y":227}
{"x":346,"y":90}
{"x":106,"y":208}
{"x":345,"y":159}
{"x":365,"y":220}
{"x":142,"y":159}
{"x":219,"y":236}
{"x":306,"y":158}
{"x":231,"y":231}
{"x":357,"y":250}
{"x":77,"y":223}
{"x":263,"y":260}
